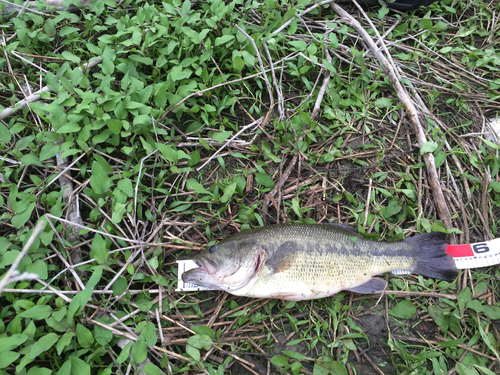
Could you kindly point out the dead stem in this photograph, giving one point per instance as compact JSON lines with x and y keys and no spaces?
{"x":410,"y":108}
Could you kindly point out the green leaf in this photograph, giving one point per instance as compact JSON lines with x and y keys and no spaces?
{"x":492,"y":312}
{"x":383,"y":103}
{"x":7,"y":358}
{"x":65,"y":369}
{"x":452,"y":343}
{"x":382,"y":12}
{"x":125,"y":186}
{"x":203,"y":330}
{"x":139,"y":350}
{"x":299,"y":45}
{"x":45,"y":343}
{"x":228,"y":192}
{"x":37,"y":312}
{"x":475,"y":305}
{"x":99,"y":250}
{"x":52,"y":82}
{"x":238,"y":63}
{"x":118,"y":211}
{"x":107,"y":64}
{"x":8,"y":258}
{"x":151,"y":369}
{"x":99,"y":179}
{"x":80,"y":300}
{"x":489,"y":341}
{"x":69,"y":56}
{"x":200,"y":341}
{"x":102,"y":335}
{"x":68,"y":30}
{"x":5,"y":135}
{"x":69,"y":127}
{"x":11,"y":342}
{"x":31,"y":159}
{"x":124,"y":354}
{"x":264,"y":179}
{"x":39,"y":371}
{"x":495,"y":185}
{"x":79,"y":367}
{"x":84,"y":336}
{"x":491,"y":144}
{"x":334,"y":40}
{"x":25,"y":142}
{"x":63,"y":342}
{"x":294,"y":355}
{"x":221,"y":136}
{"x":279,"y":360}
{"x":192,"y":184}
{"x":484,"y":370}
{"x":57,"y":325}
{"x":319,"y":370}
{"x":350,"y":198}
{"x":114,"y":125}
{"x":59,"y":315}
{"x":428,"y":147}
{"x":331,"y":367}
{"x":425,"y":23}
{"x":223,"y":39}
{"x":119,"y":286}
{"x":409,"y":193}
{"x":48,"y":151}
{"x":178,"y":74}
{"x":392,"y":208}
{"x":404,"y":310}
{"x":38,"y":267}
{"x":464,"y":297}
{"x":169,"y":152}
{"x":193,"y":352}
{"x":463,"y":369}
{"x":149,"y":333}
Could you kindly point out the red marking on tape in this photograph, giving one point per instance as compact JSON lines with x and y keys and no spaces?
{"x":459,"y":251}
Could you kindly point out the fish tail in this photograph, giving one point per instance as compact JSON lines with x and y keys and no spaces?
{"x":432,"y":260}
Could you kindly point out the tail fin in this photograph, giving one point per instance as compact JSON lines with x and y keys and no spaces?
{"x":432,"y":258}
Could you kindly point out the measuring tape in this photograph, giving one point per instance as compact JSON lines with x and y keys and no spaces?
{"x":476,"y":255}
{"x":184,"y":266}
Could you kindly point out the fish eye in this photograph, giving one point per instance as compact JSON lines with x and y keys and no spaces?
{"x":212,"y":249}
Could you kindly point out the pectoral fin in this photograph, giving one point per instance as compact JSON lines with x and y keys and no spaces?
{"x":284,"y":257}
{"x":375,"y":285}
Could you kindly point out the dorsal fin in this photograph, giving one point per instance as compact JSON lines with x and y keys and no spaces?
{"x":344,"y":226}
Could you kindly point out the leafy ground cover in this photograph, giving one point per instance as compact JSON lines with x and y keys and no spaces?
{"x":163,"y":127}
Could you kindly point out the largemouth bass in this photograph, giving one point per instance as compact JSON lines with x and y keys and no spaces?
{"x":307,"y":261}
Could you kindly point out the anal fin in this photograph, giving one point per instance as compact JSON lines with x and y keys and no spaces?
{"x":373,"y":286}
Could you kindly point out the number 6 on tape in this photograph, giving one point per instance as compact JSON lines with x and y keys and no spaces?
{"x":476,"y":255}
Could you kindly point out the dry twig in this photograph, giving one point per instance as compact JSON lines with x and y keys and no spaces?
{"x":410,"y":109}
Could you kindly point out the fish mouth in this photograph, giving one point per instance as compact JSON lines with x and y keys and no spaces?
{"x":207,"y":268}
